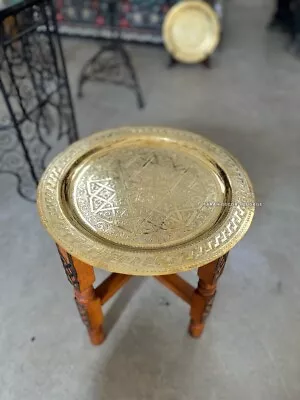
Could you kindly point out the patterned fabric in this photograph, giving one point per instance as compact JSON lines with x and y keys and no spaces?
{"x":135,"y":17}
{"x":139,"y":20}
{"x":145,"y":14}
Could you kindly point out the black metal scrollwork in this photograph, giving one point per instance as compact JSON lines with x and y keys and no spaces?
{"x":35,"y":88}
{"x":112,"y":62}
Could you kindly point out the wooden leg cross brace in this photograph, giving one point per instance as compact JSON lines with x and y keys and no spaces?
{"x":89,"y":300}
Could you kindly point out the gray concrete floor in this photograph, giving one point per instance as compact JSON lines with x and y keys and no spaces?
{"x":250,"y":349}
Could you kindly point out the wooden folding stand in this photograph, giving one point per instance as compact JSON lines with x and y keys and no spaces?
{"x":89,"y":300}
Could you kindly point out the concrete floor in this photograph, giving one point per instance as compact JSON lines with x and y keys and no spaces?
{"x":250,"y":349}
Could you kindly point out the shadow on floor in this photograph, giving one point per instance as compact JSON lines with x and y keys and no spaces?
{"x":144,"y":366}
{"x":121,"y":302}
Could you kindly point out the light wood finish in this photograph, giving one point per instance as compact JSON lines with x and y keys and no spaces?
{"x":89,"y":300}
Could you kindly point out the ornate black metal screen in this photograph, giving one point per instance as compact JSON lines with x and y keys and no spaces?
{"x":38,"y":109}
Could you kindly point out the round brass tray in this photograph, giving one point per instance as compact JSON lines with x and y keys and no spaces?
{"x":145,"y":200}
{"x":191,"y":31}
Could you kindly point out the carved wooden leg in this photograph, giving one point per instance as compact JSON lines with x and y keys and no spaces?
{"x":203,"y":297}
{"x":82,"y":277}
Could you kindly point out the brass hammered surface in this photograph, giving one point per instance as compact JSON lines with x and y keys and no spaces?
{"x":145,"y":200}
{"x":191,"y":31}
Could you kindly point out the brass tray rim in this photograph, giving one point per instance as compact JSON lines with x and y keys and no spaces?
{"x":81,"y":246}
{"x":181,"y":55}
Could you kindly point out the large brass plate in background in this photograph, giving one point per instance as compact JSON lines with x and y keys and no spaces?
{"x":191,"y":31}
{"x":145,"y":200}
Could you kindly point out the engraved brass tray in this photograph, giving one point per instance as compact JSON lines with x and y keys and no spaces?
{"x":146,"y":200}
{"x":191,"y":31}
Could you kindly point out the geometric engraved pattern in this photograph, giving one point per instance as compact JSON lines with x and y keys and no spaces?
{"x":101,"y":196}
{"x":147,"y":197}
{"x":97,"y":190}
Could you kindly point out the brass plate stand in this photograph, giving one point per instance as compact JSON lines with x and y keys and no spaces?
{"x":191,"y":31}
